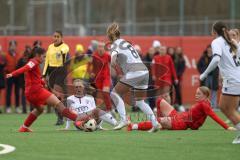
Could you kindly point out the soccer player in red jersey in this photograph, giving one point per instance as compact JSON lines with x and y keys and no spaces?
{"x":35,"y":92}
{"x":164,"y":81}
{"x":101,"y":73}
{"x":193,"y":119}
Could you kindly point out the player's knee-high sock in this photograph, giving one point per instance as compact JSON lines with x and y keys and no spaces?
{"x":145,"y":108}
{"x":107,"y":101}
{"x":159,"y":113}
{"x":107,"y":117}
{"x":144,"y":126}
{"x":29,"y":120}
{"x":119,"y":105}
{"x":66,"y":112}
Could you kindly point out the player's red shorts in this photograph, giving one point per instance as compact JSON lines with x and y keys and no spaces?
{"x":178,"y":120}
{"x":39,"y":97}
{"x":102,"y":82}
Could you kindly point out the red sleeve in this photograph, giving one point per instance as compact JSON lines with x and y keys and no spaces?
{"x":23,"y":69}
{"x":172,"y":67}
{"x":208,"y":110}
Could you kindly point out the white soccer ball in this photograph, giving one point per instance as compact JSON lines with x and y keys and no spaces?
{"x":90,"y":125}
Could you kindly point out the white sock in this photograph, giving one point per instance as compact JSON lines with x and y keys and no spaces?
{"x":237,"y":126}
{"x":145,"y":108}
{"x":107,"y":117}
{"x":134,"y":126}
{"x":119,"y":105}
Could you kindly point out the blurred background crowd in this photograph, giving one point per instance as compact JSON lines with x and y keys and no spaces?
{"x":81,"y":65}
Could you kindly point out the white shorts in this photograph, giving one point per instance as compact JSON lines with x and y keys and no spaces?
{"x":137,"y":79}
{"x":231,"y":90}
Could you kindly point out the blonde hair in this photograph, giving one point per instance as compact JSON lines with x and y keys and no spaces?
{"x":205,"y":90}
{"x":235,"y":30}
{"x":113,"y":31}
{"x":78,"y":82}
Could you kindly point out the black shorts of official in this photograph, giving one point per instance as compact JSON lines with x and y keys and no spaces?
{"x":57,"y":75}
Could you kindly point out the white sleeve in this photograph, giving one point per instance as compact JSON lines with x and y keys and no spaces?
{"x":93,"y":102}
{"x":213,"y":64}
{"x":69,"y":102}
{"x":216,"y":48}
{"x":238,"y":50}
{"x":68,"y":123}
{"x":113,"y":57}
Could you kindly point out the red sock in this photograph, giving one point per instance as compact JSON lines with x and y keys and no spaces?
{"x":144,"y":125}
{"x":69,"y":114}
{"x":30,"y":119}
{"x":159,"y":113}
{"x":107,"y":101}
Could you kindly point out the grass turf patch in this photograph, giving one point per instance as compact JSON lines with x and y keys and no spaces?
{"x":46,"y":142}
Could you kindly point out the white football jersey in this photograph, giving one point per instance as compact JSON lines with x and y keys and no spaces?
{"x":127,"y":57}
{"x":229,"y":65}
{"x":81,"y":105}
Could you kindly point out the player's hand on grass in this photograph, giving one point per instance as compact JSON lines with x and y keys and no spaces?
{"x":231,"y":129}
{"x":9,"y":75}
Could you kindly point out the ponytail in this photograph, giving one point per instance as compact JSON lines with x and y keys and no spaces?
{"x":222,"y":30}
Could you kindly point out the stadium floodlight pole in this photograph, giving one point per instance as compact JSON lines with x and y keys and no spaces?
{"x":181,"y":17}
{"x":88,"y":15}
{"x":232,"y":12}
{"x":11,"y":3}
{"x":49,"y":18}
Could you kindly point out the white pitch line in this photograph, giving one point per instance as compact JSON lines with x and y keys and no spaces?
{"x":6,"y":149}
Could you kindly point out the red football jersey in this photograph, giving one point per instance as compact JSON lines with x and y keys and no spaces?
{"x":101,"y":65}
{"x":198,"y":114}
{"x":33,"y":81}
{"x":160,"y":61}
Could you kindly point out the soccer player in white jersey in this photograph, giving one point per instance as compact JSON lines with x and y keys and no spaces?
{"x":226,"y":55}
{"x":135,"y":77}
{"x":84,"y":105}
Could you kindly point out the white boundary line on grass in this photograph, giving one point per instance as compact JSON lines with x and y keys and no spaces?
{"x":6,"y":149}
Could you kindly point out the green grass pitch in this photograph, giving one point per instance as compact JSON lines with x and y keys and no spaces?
{"x":46,"y":142}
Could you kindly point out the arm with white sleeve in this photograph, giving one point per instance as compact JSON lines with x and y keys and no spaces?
{"x":213,"y":64}
{"x":217,"y":53}
{"x":113,"y":57}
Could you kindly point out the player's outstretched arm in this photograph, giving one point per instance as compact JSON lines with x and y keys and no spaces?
{"x":213,"y":64}
{"x":19,"y":71}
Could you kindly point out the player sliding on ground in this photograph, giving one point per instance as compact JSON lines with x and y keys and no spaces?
{"x":84,"y":105}
{"x":35,"y":92}
{"x":135,"y":77}
{"x":193,"y":119}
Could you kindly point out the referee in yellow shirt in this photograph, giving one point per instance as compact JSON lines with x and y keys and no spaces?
{"x":55,"y":68}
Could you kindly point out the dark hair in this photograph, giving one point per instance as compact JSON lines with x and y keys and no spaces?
{"x":222,"y":30}
{"x":36,"y":51}
{"x":12,"y":42}
{"x":59,"y":32}
{"x":37,"y":43}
